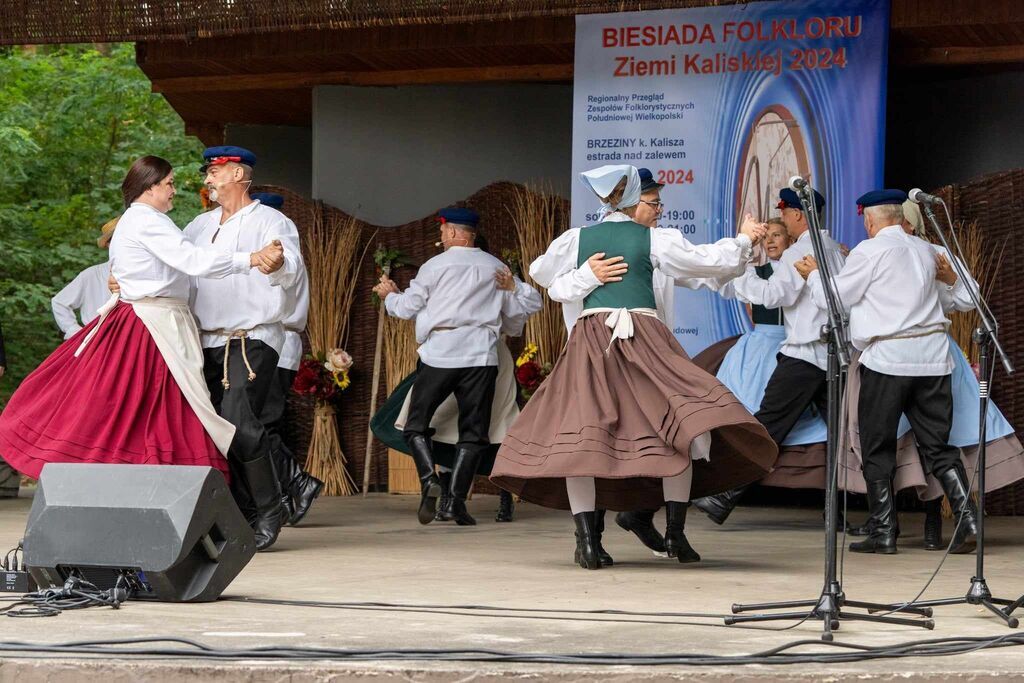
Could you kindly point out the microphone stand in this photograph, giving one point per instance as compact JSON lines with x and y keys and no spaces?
{"x":986,"y":339}
{"x":828,"y":606}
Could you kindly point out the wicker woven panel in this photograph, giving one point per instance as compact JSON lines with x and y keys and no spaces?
{"x":85,"y":21}
{"x":416,"y":240}
{"x":996,"y":201}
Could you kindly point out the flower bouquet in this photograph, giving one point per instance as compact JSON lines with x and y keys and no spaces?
{"x":530,"y":373}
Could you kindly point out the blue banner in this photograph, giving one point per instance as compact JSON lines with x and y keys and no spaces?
{"x":724,"y":105}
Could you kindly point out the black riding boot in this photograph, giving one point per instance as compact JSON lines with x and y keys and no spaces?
{"x":676,"y":544}
{"x":445,"y":501}
{"x":506,"y":507}
{"x":933,"y":525}
{"x":719,"y":506}
{"x":965,"y":533}
{"x":299,"y":487}
{"x":882,"y":520}
{"x":641,"y":523}
{"x":265,"y":489}
{"x":430,"y":487}
{"x":602,"y":554}
{"x":586,"y":550}
{"x":462,"y":479}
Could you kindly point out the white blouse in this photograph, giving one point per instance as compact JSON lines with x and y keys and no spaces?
{"x":151,"y":257}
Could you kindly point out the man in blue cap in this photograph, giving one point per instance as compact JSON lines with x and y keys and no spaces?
{"x":459,"y":300}
{"x":298,"y":488}
{"x":241,"y":322}
{"x":799,"y":378}
{"x":897,"y":322}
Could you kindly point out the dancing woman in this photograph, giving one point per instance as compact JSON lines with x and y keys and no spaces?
{"x":128,"y":388}
{"x":626,"y":421}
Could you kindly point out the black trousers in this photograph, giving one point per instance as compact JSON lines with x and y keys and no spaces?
{"x":474,"y":393}
{"x":928,"y":405}
{"x":793,"y":386}
{"x":273,"y":409}
{"x":245,"y":402}
{"x":272,"y":418}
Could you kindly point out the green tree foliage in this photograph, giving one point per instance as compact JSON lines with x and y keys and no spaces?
{"x":72,"y":120}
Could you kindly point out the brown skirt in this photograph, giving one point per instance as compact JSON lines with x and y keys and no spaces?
{"x":1004,"y":457}
{"x":798,"y":467}
{"x":627,"y":418}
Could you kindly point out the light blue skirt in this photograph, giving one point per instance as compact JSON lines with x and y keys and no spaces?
{"x":749,"y":365}
{"x":964,"y":431}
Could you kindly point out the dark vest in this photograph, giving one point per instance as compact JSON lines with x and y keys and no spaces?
{"x":760,"y":314}
{"x":631,"y":241}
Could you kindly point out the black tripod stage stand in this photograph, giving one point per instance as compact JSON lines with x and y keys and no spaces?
{"x":986,"y":339}
{"x":829,"y":605}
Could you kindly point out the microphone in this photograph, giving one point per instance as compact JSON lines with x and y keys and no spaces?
{"x":796,"y":183}
{"x":438,"y":244}
{"x":919,"y":197}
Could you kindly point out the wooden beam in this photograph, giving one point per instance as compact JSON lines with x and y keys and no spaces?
{"x":292,"y":81}
{"x":949,"y":56}
{"x":211,"y":134}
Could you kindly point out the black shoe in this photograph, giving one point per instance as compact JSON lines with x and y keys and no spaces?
{"x":641,"y":523}
{"x":462,"y":479}
{"x":965,"y":514}
{"x":300,"y":488}
{"x":506,"y":507}
{"x":305,"y":489}
{"x":289,"y":507}
{"x":933,"y":525}
{"x":676,"y":544}
{"x":265,"y":489}
{"x":430,"y":486}
{"x":719,"y":506}
{"x":882,"y":520}
{"x":586,"y":552}
{"x":446,"y":497}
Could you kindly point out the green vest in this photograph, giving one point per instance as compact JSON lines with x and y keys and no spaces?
{"x":631,"y":241}
{"x":760,"y":314}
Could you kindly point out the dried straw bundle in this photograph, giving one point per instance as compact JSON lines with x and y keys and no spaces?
{"x":983,"y":261}
{"x":539,"y":216}
{"x":399,"y":351}
{"x":333,"y":259}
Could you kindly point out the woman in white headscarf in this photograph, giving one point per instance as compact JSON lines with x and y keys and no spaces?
{"x":625,"y":414}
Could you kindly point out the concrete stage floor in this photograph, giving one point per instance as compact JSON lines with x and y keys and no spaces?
{"x":366,"y":550}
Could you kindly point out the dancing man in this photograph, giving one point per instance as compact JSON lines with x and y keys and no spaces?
{"x":798,"y":380}
{"x":241,"y":318}
{"x":460,"y":302}
{"x":897,"y":323}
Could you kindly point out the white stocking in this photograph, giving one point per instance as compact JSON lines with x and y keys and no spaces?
{"x":677,"y":488}
{"x":582,"y":494}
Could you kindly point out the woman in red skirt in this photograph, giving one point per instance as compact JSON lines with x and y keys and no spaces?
{"x":128,"y":388}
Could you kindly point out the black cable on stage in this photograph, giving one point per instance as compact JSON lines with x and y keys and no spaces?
{"x":786,"y":654}
{"x":77,"y":593}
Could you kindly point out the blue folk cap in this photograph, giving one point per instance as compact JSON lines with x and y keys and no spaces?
{"x":879,"y":197}
{"x":647,"y":182}
{"x":274,"y":201}
{"x":788,"y":199}
{"x":214,"y":156}
{"x":454,"y":214}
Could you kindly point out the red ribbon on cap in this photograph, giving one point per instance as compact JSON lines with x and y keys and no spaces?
{"x":442,"y":220}
{"x":217,"y":161}
{"x":782,"y":204}
{"x":860,"y":209}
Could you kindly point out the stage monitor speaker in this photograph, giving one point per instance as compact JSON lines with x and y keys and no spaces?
{"x":170,"y":533}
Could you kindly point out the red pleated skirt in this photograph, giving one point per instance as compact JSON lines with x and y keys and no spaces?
{"x":116,"y":403}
